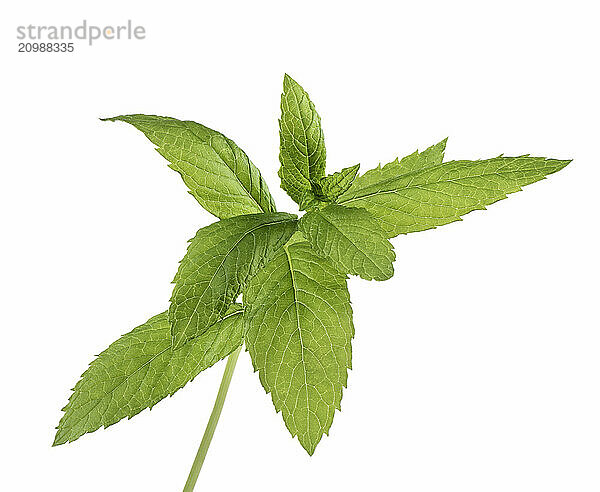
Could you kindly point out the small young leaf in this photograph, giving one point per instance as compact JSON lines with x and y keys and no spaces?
{"x":414,"y":195}
{"x":302,"y":145}
{"x":309,"y":201}
{"x":332,"y":186}
{"x":299,"y":328}
{"x":140,"y":369}
{"x":220,"y":259}
{"x":328,"y":188}
{"x":217,"y":172}
{"x":351,"y":239}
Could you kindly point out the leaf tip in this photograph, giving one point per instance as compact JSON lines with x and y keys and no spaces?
{"x":290,"y":83}
{"x":561,"y":164}
{"x":308,"y":446}
{"x":58,"y":439}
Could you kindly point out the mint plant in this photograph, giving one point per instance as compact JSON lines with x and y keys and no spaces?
{"x":295,"y":318}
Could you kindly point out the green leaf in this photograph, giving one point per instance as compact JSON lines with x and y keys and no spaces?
{"x":140,"y":369}
{"x":332,"y":186}
{"x":351,"y":239}
{"x":220,"y":260}
{"x":302,"y":145}
{"x":217,"y":172}
{"x":299,"y":328}
{"x":420,"y":193}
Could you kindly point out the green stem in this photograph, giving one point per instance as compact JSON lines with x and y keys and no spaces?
{"x":212,"y":421}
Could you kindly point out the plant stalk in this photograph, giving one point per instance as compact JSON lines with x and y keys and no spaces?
{"x":212,"y":421}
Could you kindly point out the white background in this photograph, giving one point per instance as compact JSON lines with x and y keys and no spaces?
{"x":476,"y":368}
